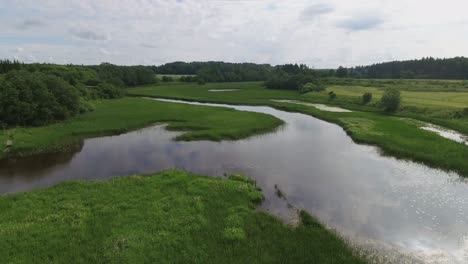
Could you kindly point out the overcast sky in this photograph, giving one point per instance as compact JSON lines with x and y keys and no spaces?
{"x":318,"y":33}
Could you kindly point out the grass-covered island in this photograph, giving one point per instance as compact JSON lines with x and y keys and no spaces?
{"x":121,"y":115}
{"x":170,"y":217}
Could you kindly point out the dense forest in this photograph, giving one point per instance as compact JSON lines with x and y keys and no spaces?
{"x":287,"y":76}
{"x":37,"y":94}
{"x":214,"y":71}
{"x":426,"y":68}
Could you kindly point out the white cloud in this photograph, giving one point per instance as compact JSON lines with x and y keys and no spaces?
{"x":319,"y":33}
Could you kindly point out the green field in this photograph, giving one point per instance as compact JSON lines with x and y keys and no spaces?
{"x":170,"y":217}
{"x":249,"y":92}
{"x":438,"y":99}
{"x":396,"y":135}
{"x":118,"y":116}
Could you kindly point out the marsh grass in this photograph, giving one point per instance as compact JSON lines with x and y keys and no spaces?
{"x":118,"y":116}
{"x":170,"y":217}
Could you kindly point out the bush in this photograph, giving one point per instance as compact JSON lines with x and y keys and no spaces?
{"x":391,"y":100}
{"x":108,"y":91}
{"x":315,"y":86}
{"x":200,"y":81}
{"x":366,"y":98}
{"x":332,"y":95}
{"x":282,"y":80}
{"x":167,"y":79}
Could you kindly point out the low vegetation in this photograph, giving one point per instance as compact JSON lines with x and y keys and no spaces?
{"x":170,"y":217}
{"x":117,"y":116}
{"x":390,"y":100}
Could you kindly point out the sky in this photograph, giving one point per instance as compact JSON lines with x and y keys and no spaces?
{"x":319,"y":33}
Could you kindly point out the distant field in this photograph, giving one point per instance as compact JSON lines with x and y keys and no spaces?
{"x":248,"y":92}
{"x":173,"y":76}
{"x":409,"y":98}
{"x":402,"y":84}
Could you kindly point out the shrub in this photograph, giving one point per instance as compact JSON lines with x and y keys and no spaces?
{"x":315,"y":86}
{"x":241,"y":178}
{"x":167,"y":79}
{"x":108,"y":91}
{"x":200,"y":81}
{"x":332,"y":95}
{"x":391,"y":100}
{"x":366,"y":98}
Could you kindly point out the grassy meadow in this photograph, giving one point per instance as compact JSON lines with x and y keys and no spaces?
{"x":397,"y":134}
{"x":121,"y":115}
{"x":170,"y":217}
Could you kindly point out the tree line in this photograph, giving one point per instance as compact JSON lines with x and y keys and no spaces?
{"x":38,"y":94}
{"x":425,"y":68}
{"x":214,"y":71}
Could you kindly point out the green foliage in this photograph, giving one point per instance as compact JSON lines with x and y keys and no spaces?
{"x":308,"y":221}
{"x":285,"y":81}
{"x":124,"y":75}
{"x":8,"y":65}
{"x":106,"y":91}
{"x":425,"y":68}
{"x":216,"y":71}
{"x":241,"y":178}
{"x":167,"y":79}
{"x":234,"y":233}
{"x":366,"y":97}
{"x":331,"y":95}
{"x":315,"y":86}
{"x":200,"y":80}
{"x":391,"y":100}
{"x":35,"y":99}
{"x":169,"y":217}
{"x":341,"y":72}
{"x":37,"y":94}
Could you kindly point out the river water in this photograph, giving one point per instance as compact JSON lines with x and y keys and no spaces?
{"x":369,"y":198}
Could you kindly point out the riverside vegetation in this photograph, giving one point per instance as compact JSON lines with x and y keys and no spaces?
{"x":121,"y":115}
{"x":170,"y":217}
{"x":396,"y":133}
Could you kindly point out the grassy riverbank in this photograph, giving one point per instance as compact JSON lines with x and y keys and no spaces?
{"x":395,"y":135}
{"x":118,"y":116}
{"x":170,"y":217}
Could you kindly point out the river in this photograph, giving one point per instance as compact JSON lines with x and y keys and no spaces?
{"x":370,"y":198}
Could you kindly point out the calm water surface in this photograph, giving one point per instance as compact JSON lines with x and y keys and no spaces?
{"x":349,"y":187}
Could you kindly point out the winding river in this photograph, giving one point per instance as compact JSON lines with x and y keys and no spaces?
{"x":372,"y":199}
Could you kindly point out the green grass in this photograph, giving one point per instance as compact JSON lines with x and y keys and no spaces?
{"x":249,"y":92}
{"x":436,"y":100}
{"x":118,"y":116}
{"x":395,"y":134}
{"x":170,"y":217}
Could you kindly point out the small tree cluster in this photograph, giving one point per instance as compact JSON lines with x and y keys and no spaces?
{"x":366,"y":98}
{"x":391,"y":100}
